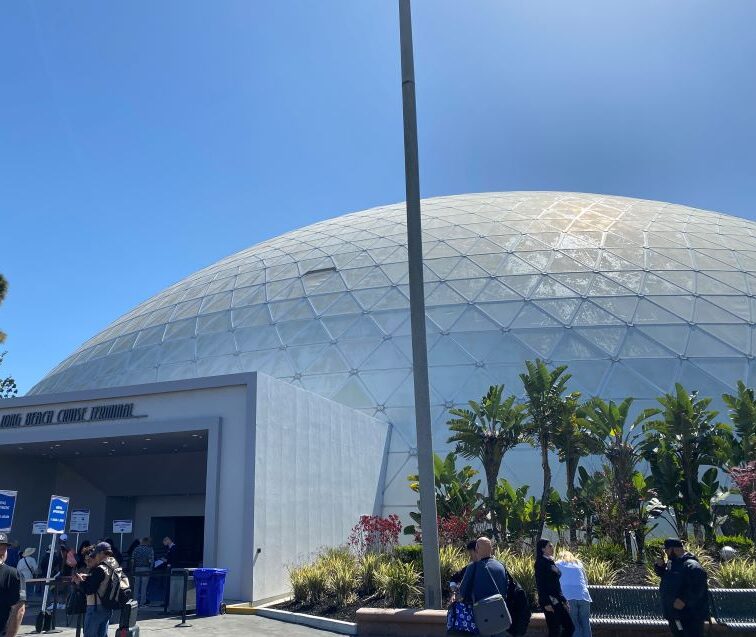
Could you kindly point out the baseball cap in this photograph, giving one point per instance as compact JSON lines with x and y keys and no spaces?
{"x":4,"y":539}
{"x":101,"y":547}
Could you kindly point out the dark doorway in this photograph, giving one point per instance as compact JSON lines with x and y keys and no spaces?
{"x":188,"y":532}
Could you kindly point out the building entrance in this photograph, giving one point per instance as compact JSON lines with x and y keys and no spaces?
{"x":187,"y":532}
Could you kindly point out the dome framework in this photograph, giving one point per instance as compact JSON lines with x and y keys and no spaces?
{"x":633,"y":295}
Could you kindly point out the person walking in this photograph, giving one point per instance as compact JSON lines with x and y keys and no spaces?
{"x":484,"y":577}
{"x":684,"y":590}
{"x":142,"y":558}
{"x":574,"y":585}
{"x":12,"y":595}
{"x":554,"y":604}
{"x":101,"y":561}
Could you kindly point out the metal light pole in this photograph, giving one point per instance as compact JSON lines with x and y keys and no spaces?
{"x":431,"y":570}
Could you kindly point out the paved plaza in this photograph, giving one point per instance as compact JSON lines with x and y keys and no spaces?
{"x":225,"y":625}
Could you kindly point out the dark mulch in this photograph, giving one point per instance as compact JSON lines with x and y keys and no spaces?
{"x":633,"y":575}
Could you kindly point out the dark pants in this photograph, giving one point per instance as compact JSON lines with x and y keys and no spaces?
{"x":559,"y":622}
{"x":687,"y":627}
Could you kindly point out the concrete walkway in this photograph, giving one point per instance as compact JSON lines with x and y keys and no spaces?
{"x":247,"y":625}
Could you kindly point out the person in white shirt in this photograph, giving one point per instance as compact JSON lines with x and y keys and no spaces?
{"x":27,"y":568}
{"x":575,"y":589}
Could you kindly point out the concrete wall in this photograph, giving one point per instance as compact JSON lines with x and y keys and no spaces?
{"x":317,"y":469}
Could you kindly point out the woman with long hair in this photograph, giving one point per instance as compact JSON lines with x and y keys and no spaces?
{"x":575,"y":588}
{"x":554,"y":604}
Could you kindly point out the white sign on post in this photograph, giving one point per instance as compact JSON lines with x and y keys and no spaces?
{"x":122,"y":526}
{"x":79,"y":521}
{"x":39,"y":528}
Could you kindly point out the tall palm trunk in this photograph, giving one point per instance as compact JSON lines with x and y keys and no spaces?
{"x":491,"y":477}
{"x":546,"y":481}
{"x":572,"y":467}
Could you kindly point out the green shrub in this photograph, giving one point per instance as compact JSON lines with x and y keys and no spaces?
{"x":398,"y":583}
{"x":410,"y":554}
{"x":738,"y":542}
{"x":737,"y":573}
{"x":522,"y":568}
{"x":337,"y":554}
{"x":605,"y":551}
{"x":342,"y":581}
{"x":600,"y":572}
{"x":315,"y":582}
{"x":451,"y":560}
{"x":368,"y":572}
{"x":298,"y":581}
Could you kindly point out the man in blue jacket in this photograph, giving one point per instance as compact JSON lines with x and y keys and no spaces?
{"x":484,"y":577}
{"x":684,"y":590}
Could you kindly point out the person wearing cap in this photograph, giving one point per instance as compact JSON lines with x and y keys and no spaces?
{"x":684,"y":590}
{"x":97,"y":618}
{"x":27,"y":565}
{"x":12,"y":597}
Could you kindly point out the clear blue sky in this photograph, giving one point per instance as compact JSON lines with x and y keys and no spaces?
{"x":142,"y":140}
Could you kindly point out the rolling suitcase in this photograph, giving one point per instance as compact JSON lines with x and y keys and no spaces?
{"x":127,"y":623}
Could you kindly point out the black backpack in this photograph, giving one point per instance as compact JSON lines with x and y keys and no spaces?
{"x":519,"y":607}
{"x":117,"y":592}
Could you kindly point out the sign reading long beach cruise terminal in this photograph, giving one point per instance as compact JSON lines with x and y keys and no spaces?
{"x":119,"y":411}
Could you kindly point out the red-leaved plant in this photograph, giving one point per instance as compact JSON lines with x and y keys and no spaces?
{"x":375,"y":533}
{"x":745,"y":478}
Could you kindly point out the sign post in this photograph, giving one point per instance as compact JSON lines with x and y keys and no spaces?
{"x":56,"y":525}
{"x":79,"y":523}
{"x":39,"y":528}
{"x":121,"y":527}
{"x":7,"y":507}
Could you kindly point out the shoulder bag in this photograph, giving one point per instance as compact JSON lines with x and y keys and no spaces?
{"x":491,"y":613}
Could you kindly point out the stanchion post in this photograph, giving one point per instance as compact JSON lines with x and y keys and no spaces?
{"x":183,"y":623}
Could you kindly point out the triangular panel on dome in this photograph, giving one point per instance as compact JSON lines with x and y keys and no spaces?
{"x":737,"y":336}
{"x":385,"y":356}
{"x":550,"y":288}
{"x":177,"y":371}
{"x":655,"y":285}
{"x":254,"y":360}
{"x":662,"y":372}
{"x":383,"y":383}
{"x":531,"y":316}
{"x":561,"y":309}
{"x":707,"y":312}
{"x":507,"y":240}
{"x":674,"y":337}
{"x":252,"y":295}
{"x":475,"y":386}
{"x":579,"y":282}
{"x":603,"y":286}
{"x":494,"y":290}
{"x":215,"y":344}
{"x":514,"y":265}
{"x":443,"y":267}
{"x":492,"y":264}
{"x":445,"y":380}
{"x":447,"y":352}
{"x":363,"y":327}
{"x":186,"y":309}
{"x":636,"y":256}
{"x":445,"y":316}
{"x":473,"y":320}
{"x":573,"y":347}
{"x":693,"y":378}
{"x":622,"y":382}
{"x":539,"y":259}
{"x":521,"y":284}
{"x":442,"y":294}
{"x":289,"y":289}
{"x":333,"y":283}
{"x":150,"y":336}
{"x":469,"y":288}
{"x":639,"y":345}
{"x":732,"y":279}
{"x":399,"y":272}
{"x":487,"y":346}
{"x":302,"y":356}
{"x":610,"y":262}
{"x":314,"y":332}
{"x":623,"y":307}
{"x":727,"y":370}
{"x":329,"y":361}
{"x":218,"y":365}
{"x":563,"y":263}
{"x":395,"y":322}
{"x":355,"y":394}
{"x":355,"y":352}
{"x":588,"y":376}
{"x":394,"y":299}
{"x":703,"y":344}
{"x":738,"y":305}
{"x":714,"y":259}
{"x":586,"y":256}
{"x":346,"y":303}
{"x":541,"y":341}
{"x":591,"y":314}
{"x":208,"y":324}
{"x":353,"y":276}
{"x":629,"y":279}
{"x":503,"y":313}
{"x":290,"y":310}
{"x":651,"y":312}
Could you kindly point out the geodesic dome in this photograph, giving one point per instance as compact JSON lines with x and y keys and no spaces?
{"x":633,"y":295}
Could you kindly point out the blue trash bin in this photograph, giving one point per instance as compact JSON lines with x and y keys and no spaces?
{"x":209,"y":583}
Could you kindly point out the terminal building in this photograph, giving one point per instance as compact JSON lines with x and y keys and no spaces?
{"x":258,"y":407}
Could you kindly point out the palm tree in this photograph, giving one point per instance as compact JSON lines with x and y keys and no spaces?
{"x":486,"y":431}
{"x":684,"y":439}
{"x":573,"y":441}
{"x":545,"y":407}
{"x":743,"y":417}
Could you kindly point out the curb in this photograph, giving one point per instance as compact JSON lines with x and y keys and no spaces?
{"x":322,"y":623}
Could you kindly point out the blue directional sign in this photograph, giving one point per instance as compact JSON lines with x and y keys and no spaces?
{"x":56,"y":518}
{"x":7,"y":506}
